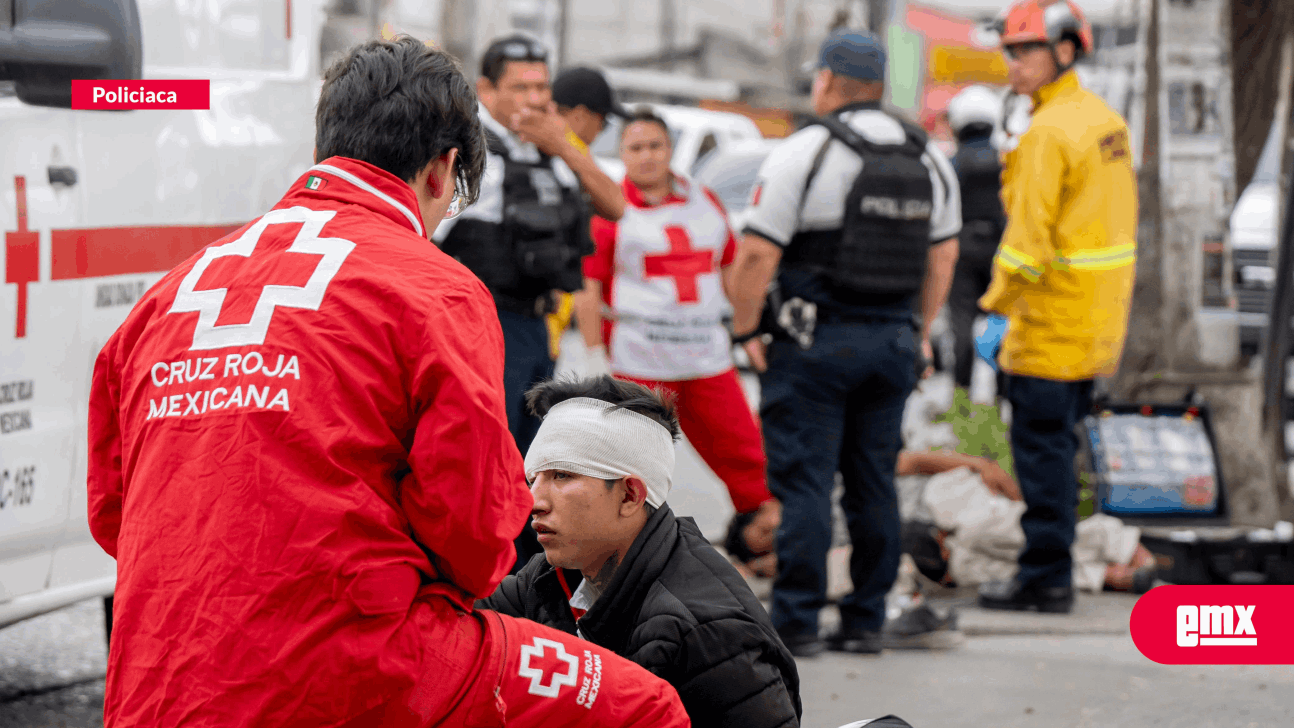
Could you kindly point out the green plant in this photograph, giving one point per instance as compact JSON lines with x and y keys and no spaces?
{"x":979,"y":430}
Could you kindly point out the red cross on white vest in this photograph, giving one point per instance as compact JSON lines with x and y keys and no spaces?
{"x":683,"y":263}
{"x":21,"y":256}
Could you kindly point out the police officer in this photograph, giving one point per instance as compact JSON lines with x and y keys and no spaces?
{"x":527,"y":233}
{"x":974,"y":114}
{"x":857,"y":215}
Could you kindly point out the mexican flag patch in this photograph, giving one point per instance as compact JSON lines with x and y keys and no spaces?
{"x":315,"y":183}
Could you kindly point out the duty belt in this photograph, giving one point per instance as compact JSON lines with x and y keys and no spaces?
{"x":537,"y":307}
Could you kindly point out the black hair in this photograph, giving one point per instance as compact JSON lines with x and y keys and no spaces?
{"x":652,"y":403}
{"x":648,"y":116}
{"x":494,"y":62}
{"x":398,"y":105}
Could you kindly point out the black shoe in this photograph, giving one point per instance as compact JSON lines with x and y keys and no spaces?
{"x":921,"y":628}
{"x":1012,"y":595}
{"x":803,"y":645}
{"x":856,"y":641}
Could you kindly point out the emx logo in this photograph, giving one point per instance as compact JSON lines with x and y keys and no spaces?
{"x":1215,"y":625}
{"x":1226,"y":625}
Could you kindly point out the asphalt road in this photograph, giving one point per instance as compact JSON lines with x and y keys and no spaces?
{"x":51,"y":672}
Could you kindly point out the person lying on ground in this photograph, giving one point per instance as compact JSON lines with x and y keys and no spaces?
{"x":621,"y":570}
{"x":967,"y":532}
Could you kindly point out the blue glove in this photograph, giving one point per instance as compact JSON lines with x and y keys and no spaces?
{"x":989,"y":341}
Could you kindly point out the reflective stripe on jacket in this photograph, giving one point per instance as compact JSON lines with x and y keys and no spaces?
{"x":1063,"y":274}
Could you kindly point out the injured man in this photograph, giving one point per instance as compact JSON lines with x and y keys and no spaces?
{"x":961,"y":526}
{"x":619,"y":569}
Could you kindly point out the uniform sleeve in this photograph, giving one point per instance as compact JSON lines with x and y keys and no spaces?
{"x":778,"y":194}
{"x":601,"y":264}
{"x":1028,"y":244}
{"x":466,"y":496}
{"x":946,"y":212}
{"x":104,"y":477}
{"x":728,"y":683}
{"x":507,"y":598}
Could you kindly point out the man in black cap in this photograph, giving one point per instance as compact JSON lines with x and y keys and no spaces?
{"x":585,"y":100}
{"x":856,"y":217}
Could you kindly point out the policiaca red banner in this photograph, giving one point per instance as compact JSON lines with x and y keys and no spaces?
{"x":124,"y":95}
{"x":1216,"y":625}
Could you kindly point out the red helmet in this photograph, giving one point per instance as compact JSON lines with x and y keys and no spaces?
{"x":1046,"y":21}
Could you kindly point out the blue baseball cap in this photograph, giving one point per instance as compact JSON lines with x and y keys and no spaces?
{"x":853,"y":54}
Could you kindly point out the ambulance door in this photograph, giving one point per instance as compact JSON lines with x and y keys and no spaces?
{"x":39,"y":324}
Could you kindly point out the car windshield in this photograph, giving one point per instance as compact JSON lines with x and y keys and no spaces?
{"x":731,"y":176}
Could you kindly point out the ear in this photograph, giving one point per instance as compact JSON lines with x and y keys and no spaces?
{"x":1065,"y":52}
{"x":635,"y":496}
{"x":484,"y":88}
{"x":441,"y":177}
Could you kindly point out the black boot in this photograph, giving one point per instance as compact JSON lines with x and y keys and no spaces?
{"x":1012,"y":595}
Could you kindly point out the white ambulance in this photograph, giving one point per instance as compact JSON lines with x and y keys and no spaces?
{"x":95,"y":206}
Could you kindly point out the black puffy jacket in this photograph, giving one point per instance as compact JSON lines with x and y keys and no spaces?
{"x":679,"y":609}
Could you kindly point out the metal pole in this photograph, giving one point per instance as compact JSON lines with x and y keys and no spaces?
{"x":1277,"y":342}
{"x":668,"y":22}
{"x":563,"y":20}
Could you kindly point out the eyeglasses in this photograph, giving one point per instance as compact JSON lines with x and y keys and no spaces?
{"x":1016,"y":51}
{"x":523,"y":51}
{"x":456,"y":206}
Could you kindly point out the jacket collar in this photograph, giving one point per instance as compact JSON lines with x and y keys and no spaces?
{"x":857,"y":106}
{"x":1068,"y":82}
{"x":517,"y":149}
{"x":359,"y":183}
{"x":612,"y":619}
{"x":679,"y":189}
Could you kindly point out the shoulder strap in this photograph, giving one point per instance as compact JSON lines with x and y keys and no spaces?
{"x":813,"y":170}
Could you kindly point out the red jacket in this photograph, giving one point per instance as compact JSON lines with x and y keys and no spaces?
{"x":287,"y":469}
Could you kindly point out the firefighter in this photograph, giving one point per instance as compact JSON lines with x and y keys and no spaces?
{"x":1062,"y":278}
{"x":299,"y":455}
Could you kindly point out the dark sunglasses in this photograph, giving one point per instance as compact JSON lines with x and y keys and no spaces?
{"x":1016,"y":51}
{"x":523,"y":51}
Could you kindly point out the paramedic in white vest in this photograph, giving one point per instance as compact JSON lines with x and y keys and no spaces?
{"x":857,"y":217}
{"x":659,"y":271}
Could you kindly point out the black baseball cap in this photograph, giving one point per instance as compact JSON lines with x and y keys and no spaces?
{"x":588,"y":88}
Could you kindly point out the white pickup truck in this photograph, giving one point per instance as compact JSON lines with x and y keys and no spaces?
{"x":95,"y":206}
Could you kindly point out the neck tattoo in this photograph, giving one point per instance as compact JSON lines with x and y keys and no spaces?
{"x":603,"y":578}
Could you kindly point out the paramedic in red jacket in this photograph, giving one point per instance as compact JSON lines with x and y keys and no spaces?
{"x":300,"y":459}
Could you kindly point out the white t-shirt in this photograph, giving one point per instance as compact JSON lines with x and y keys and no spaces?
{"x":780,"y":207}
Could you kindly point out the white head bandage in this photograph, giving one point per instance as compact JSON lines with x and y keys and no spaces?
{"x":590,"y":437}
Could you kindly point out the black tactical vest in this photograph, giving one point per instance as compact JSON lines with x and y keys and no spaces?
{"x":541,"y":241}
{"x":880,"y":251}
{"x":979,"y":174}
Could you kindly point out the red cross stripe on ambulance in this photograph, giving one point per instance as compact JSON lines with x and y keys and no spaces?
{"x":683,"y":263}
{"x":535,"y":666}
{"x":21,"y":256}
{"x":272,"y":263}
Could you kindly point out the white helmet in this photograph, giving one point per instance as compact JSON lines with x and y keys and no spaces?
{"x":974,"y":105}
